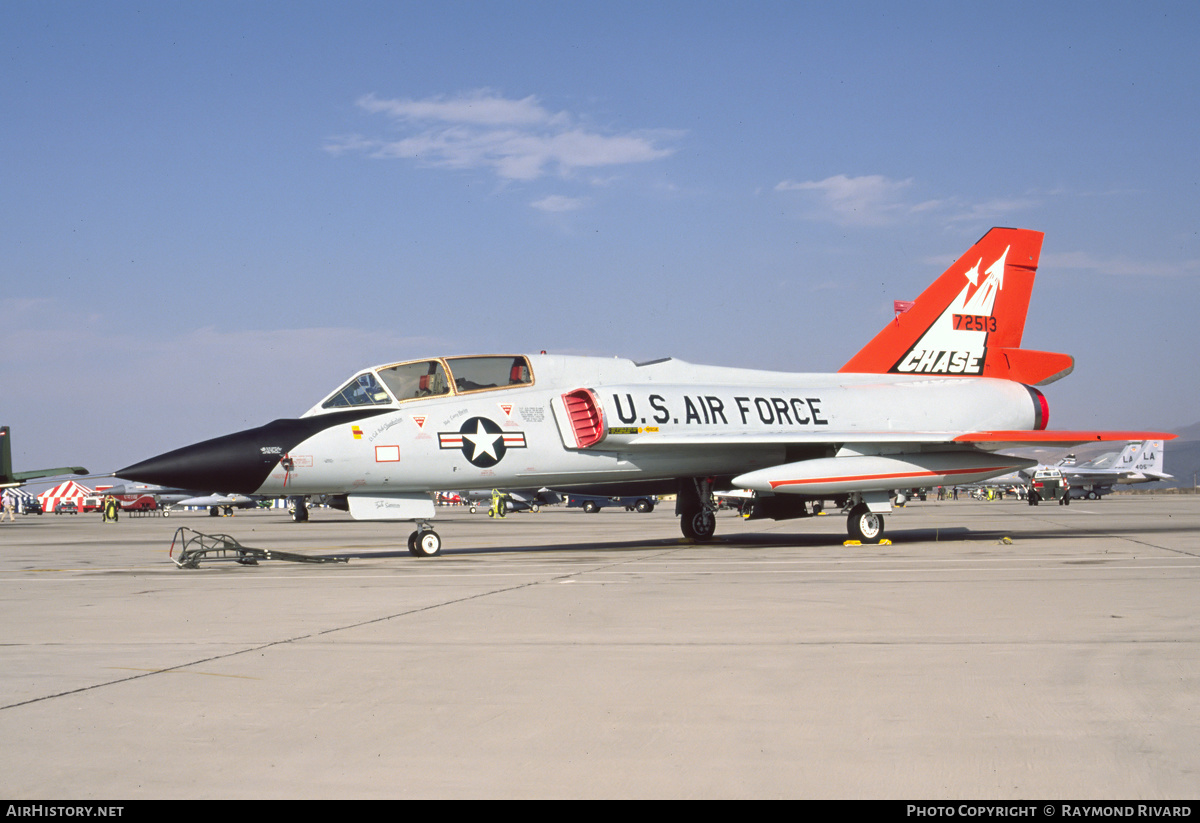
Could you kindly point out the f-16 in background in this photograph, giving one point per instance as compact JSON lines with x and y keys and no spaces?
{"x":929,"y":401}
{"x":1137,"y":463}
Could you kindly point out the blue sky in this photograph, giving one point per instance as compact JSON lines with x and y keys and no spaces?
{"x":213,"y":213}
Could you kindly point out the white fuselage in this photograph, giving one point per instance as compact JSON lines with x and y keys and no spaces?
{"x":654,"y":418}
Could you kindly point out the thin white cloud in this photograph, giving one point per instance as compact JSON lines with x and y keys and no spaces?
{"x":480,"y":107}
{"x":559,"y":203}
{"x":874,"y":200}
{"x":517,"y":140}
{"x":991,"y":210}
{"x":865,"y":201}
{"x":1119,"y":266}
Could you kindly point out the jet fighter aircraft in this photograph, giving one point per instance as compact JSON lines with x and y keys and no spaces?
{"x":929,"y":401}
{"x":1136,"y":463}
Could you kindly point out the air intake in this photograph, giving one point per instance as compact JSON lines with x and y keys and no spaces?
{"x":586,"y":417}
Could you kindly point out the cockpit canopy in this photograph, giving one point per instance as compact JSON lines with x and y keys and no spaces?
{"x":421,"y":379}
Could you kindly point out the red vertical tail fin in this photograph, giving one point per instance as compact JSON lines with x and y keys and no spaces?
{"x":971,"y":320}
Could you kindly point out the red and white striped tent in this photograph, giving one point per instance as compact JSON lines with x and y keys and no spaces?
{"x":67,"y":490}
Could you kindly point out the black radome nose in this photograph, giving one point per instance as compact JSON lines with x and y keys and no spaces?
{"x":239,"y":462}
{"x":233,"y":463}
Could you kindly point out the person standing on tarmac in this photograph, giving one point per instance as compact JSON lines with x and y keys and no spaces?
{"x":111,"y":509}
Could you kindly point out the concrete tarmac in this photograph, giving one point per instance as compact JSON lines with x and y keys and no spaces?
{"x":564,"y":654}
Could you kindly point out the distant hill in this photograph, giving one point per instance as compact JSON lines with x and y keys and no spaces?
{"x":1191,"y":432}
{"x":1181,"y":458}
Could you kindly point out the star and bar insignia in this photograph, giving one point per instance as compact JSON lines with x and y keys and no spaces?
{"x":482,"y":441}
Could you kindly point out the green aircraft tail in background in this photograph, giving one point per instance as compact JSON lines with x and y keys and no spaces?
{"x":10,"y":479}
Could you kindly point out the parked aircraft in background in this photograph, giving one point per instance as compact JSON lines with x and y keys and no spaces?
{"x":929,"y":401}
{"x":169,"y":497}
{"x":164,"y":495}
{"x":10,"y":479}
{"x":1136,"y":463}
{"x":218,"y":504}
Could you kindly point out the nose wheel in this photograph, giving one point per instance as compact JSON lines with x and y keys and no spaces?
{"x":424,"y":543}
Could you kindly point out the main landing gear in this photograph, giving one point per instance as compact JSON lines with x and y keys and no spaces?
{"x":697,"y":513}
{"x":864,"y":525}
{"x":424,"y":542}
{"x":694,"y":505}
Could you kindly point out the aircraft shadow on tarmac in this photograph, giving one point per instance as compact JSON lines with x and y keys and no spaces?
{"x":748,"y":541}
{"x":771,"y":540}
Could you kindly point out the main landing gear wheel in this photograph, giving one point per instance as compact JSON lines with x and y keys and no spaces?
{"x":864,"y":525}
{"x":699,"y":526}
{"x":694,"y":505}
{"x":424,"y":543}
